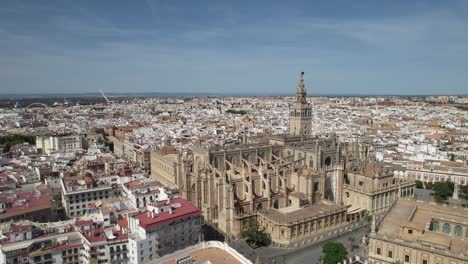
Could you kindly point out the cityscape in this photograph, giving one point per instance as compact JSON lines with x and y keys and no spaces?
{"x":291,"y":167}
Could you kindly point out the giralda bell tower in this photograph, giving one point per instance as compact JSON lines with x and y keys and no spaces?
{"x":300,"y":117}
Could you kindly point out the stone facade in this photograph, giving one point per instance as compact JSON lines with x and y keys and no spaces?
{"x":374,"y":188}
{"x":418,"y":232}
{"x":300,"y":122}
{"x":273,"y":178}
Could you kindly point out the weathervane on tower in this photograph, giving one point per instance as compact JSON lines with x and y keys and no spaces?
{"x":302,"y":75}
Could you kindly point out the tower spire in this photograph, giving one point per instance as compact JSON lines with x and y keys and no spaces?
{"x":300,"y":117}
{"x":301,"y":93}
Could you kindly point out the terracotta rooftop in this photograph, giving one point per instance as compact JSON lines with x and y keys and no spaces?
{"x":23,"y":203}
{"x":186,"y":209}
{"x":213,"y":255}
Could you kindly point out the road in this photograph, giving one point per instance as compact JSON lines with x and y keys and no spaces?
{"x":311,"y":254}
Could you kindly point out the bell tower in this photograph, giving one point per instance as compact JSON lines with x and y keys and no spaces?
{"x":300,"y":116}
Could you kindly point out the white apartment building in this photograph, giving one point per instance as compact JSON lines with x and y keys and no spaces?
{"x":59,"y":143}
{"x":143,"y":192}
{"x":80,"y":192}
{"x":165,"y":227}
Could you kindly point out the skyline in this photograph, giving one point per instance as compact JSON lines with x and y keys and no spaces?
{"x":160,"y":47}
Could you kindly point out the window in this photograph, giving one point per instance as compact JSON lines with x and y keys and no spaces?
{"x":407,"y":259}
{"x":410,"y":231}
{"x":446,"y":228}
{"x":435,"y":226}
{"x":390,"y":254}
{"x":379,"y":251}
{"x":424,"y":261}
{"x":458,"y":231}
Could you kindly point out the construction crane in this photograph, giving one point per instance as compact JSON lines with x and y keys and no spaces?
{"x":103,"y":95}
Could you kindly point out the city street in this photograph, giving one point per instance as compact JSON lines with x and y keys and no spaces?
{"x":311,"y":254}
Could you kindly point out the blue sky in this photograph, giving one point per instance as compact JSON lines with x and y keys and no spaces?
{"x":360,"y":47}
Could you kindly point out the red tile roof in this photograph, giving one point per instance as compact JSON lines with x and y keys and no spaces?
{"x":32,"y":203}
{"x":187,"y":209}
{"x":133,"y":184}
{"x":67,"y":246}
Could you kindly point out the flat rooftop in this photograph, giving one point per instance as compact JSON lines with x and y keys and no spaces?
{"x":293,"y":214}
{"x":419,"y":216}
{"x":214,"y":255}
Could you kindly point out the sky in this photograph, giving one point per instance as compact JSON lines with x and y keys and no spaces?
{"x":344,"y":47}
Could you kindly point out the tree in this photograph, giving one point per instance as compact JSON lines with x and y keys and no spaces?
{"x":419,"y":184}
{"x":464,"y":189}
{"x":442,"y":190}
{"x":11,"y":140}
{"x":255,"y":235}
{"x":397,"y":262}
{"x":334,"y":252}
{"x":429,"y":185}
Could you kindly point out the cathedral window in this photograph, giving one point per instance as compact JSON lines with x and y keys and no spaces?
{"x":458,"y":230}
{"x":446,"y":228}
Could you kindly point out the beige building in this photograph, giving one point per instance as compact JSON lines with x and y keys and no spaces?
{"x":436,"y":171}
{"x":166,"y":167}
{"x":418,"y":232}
{"x":59,"y":143}
{"x":300,"y":121}
{"x":373,"y":187}
{"x":296,"y":225}
{"x":292,"y":183}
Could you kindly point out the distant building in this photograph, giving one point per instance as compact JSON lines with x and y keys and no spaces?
{"x":59,"y":143}
{"x":438,"y":171}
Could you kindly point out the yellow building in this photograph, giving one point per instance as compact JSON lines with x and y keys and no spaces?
{"x":373,"y":187}
{"x":418,"y":232}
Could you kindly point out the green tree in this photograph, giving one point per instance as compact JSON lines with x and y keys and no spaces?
{"x":442,"y":190}
{"x":429,"y":185}
{"x":236,"y":112}
{"x":255,"y":235}
{"x":397,"y":262}
{"x":464,"y":189}
{"x":11,"y":140}
{"x":419,"y":184}
{"x":334,"y":252}
{"x":368,"y":218}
